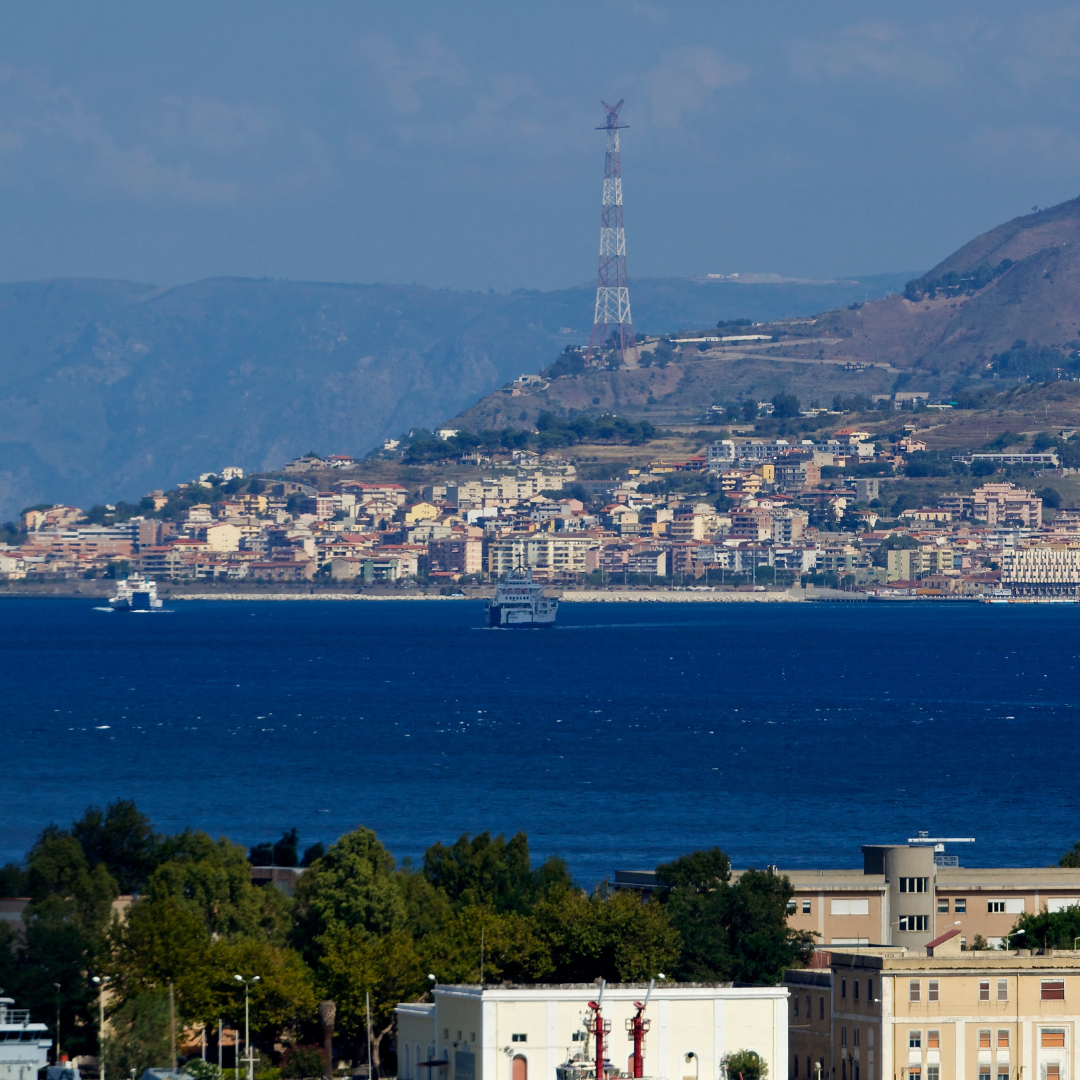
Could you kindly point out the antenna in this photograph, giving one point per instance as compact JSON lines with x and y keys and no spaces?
{"x":612,"y":325}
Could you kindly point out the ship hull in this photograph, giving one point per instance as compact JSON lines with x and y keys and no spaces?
{"x":514,"y":618}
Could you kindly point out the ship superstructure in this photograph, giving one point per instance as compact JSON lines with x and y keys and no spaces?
{"x":519,"y":601}
{"x":24,"y":1047}
{"x":135,"y":596}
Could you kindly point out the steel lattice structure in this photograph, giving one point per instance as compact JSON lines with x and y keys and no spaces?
{"x":612,"y":325}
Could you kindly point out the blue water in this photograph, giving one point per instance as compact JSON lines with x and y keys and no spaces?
{"x":787,"y":734}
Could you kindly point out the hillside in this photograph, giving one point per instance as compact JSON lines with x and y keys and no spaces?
{"x":109,"y":389}
{"x":1005,"y":307}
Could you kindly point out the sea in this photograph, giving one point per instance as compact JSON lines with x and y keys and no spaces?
{"x":787,"y":734}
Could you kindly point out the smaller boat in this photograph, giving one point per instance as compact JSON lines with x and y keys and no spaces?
{"x":520,"y":601}
{"x":135,"y":596}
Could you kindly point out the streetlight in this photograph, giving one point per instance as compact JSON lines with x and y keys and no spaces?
{"x":101,"y":1023}
{"x":1015,"y":933}
{"x":247,"y":1020}
{"x":56,"y":1054}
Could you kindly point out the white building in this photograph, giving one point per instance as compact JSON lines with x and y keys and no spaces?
{"x":525,"y":1033}
{"x":24,"y":1047}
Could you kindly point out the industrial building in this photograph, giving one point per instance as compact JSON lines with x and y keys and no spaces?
{"x":527,"y":1032}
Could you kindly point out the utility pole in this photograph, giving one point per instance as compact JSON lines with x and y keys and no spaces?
{"x":56,"y":1052}
{"x":172,"y":1024}
{"x":101,"y":1024}
{"x":218,"y":1046}
{"x":247,"y":1020}
{"x":611,"y":319}
{"x":367,"y":1004}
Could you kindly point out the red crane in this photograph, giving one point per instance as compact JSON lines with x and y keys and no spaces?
{"x":636,"y":1026}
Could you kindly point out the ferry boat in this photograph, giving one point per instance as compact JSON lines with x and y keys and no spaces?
{"x":24,"y":1047}
{"x":133,"y":596}
{"x":519,"y":601}
{"x":1005,"y":596}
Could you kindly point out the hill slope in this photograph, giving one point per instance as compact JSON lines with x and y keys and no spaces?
{"x":109,"y":389}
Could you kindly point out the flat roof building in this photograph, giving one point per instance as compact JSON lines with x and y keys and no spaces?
{"x":526,"y":1032}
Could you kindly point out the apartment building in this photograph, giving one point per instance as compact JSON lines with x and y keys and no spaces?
{"x":526,"y":1032}
{"x":934,"y":1014}
{"x":1041,"y":570}
{"x":546,"y":554}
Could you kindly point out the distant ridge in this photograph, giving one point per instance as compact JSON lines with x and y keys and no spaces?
{"x":109,"y":389}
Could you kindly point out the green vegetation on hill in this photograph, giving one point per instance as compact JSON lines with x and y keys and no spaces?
{"x":955,"y":283}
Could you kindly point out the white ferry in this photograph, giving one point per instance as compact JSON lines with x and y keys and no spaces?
{"x":24,"y":1047}
{"x":133,"y":596}
{"x":519,"y":601}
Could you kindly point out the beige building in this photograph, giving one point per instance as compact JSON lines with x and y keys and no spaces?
{"x":1045,"y":570}
{"x":525,"y":1033}
{"x":909,"y":894}
{"x":543,"y":553}
{"x":934,"y":1014}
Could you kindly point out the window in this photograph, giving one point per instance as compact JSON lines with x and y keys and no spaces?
{"x":914,"y":884}
{"x":1053,"y":1071}
{"x":843,"y":988}
{"x":995,"y":905}
{"x":472,"y":1036}
{"x":809,"y":1010}
{"x":870,"y":991}
{"x":984,"y":990}
{"x":855,"y":1037}
{"x":855,"y":992}
{"x":943,"y":906}
{"x":446,"y":1033}
{"x":984,"y":1072}
{"x":1003,"y":1038}
{"x":959,"y":906}
{"x":518,"y":1038}
{"x":1053,"y":1040}
{"x":933,"y":1072}
{"x":795,"y":1005}
{"x":791,"y":906}
{"x":914,"y":1040}
{"x":795,"y":1071}
{"x":932,"y":990}
{"x":1053,"y":989}
{"x":821,"y":1010}
{"x":915,"y":1072}
{"x":806,"y":907}
{"x":933,"y":1040}
{"x":459,"y":1036}
{"x":578,"y":1036}
{"x":843,"y":1036}
{"x":1003,"y":1072}
{"x":849,"y":907}
{"x":963,"y":944}
{"x":914,"y":922}
{"x":1003,"y":989}
{"x":984,"y":1040}
{"x":913,"y":990}
{"x":809,"y":1067}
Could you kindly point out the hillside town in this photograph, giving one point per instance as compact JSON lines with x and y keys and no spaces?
{"x":748,"y":513}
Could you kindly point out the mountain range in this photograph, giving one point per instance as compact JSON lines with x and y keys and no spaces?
{"x":109,"y":389}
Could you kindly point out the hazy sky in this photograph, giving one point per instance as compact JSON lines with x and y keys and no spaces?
{"x":454,"y":143}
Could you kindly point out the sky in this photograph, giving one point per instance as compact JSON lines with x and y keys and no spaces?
{"x":454,"y":144}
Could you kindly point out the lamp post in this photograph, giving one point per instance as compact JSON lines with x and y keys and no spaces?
{"x":100,"y":982}
{"x":247,"y":1019}
{"x":56,"y":1053}
{"x":1015,"y":933}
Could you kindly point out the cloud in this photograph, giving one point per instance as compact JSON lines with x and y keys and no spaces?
{"x":881,"y":49}
{"x":183,"y":154}
{"x":405,"y":77}
{"x":685,"y":81}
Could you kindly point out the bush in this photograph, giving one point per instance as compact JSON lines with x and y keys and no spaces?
{"x":747,"y":1064}
{"x":302,"y":1062}
{"x":202,"y":1070}
{"x":1051,"y":497}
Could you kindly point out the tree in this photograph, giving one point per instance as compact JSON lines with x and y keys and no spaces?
{"x":744,"y":1065}
{"x":785,"y":406}
{"x":121,"y":838}
{"x":140,"y":1036}
{"x":354,"y":884}
{"x":1050,"y":930}
{"x":610,"y":935}
{"x":283,"y":853}
{"x":730,"y":930}
{"x":495,"y":872}
{"x":1071,"y":858}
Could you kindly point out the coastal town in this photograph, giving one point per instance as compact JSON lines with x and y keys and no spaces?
{"x":744,"y":513}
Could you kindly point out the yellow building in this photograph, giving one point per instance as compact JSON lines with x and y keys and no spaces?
{"x":935,"y":1014}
